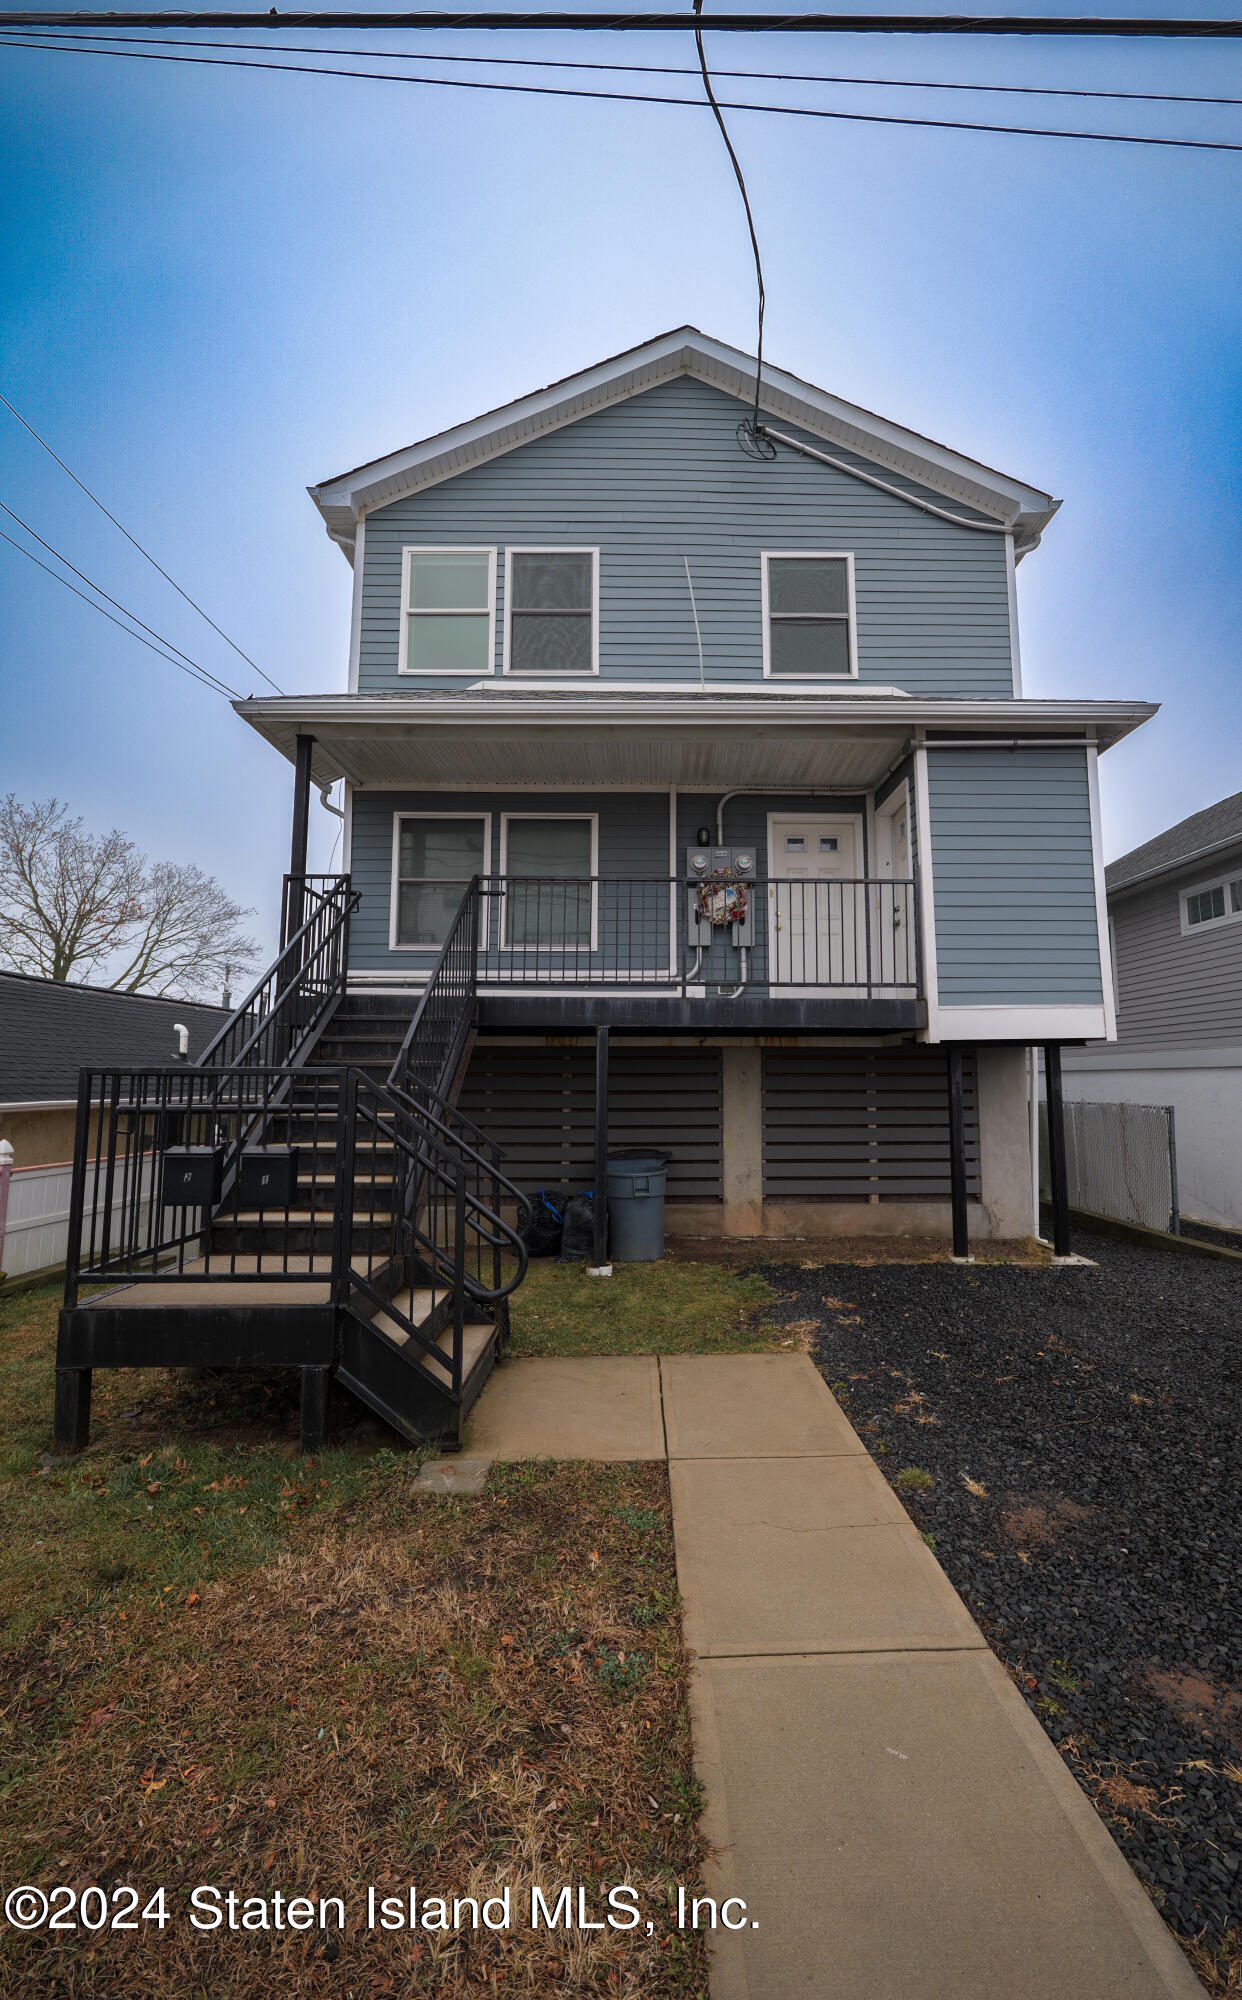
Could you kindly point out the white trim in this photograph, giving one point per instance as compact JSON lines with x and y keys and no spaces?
{"x":355,"y":609}
{"x":922,"y":846}
{"x":1107,"y":989}
{"x":851,"y":615}
{"x":1023,"y":1023}
{"x":40,"y":1104}
{"x":685,"y":684}
{"x":403,"y":630}
{"x":550,"y":549}
{"x":1231,"y":916}
{"x":505,"y":817}
{"x":484,"y":818}
{"x":1011,"y":590}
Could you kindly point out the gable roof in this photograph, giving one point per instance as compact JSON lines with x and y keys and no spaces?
{"x":344,"y":500}
{"x":49,"y":1031}
{"x":1213,"y":831}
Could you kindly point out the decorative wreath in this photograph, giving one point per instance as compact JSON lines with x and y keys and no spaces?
{"x":722,"y":902}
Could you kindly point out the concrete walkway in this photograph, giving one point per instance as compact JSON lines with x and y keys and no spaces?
{"x":878,"y":1793}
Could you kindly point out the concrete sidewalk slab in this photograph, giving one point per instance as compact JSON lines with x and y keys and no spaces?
{"x":805,"y":1555}
{"x":901,"y":1829}
{"x":751,"y":1406}
{"x":599,"y":1407}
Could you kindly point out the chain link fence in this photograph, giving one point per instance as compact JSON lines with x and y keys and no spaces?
{"x":1121,"y":1161}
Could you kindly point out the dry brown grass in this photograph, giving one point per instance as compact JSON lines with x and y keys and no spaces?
{"x":455,"y":1693}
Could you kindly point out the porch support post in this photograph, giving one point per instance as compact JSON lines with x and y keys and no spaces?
{"x":314,"y":1410}
{"x":957,"y":1153}
{"x":1061,"y":1246}
{"x":600,"y":1204}
{"x":304,"y":746}
{"x":71,"y":1416}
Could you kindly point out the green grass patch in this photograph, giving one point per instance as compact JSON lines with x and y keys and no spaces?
{"x":660,"y":1308}
{"x":913,"y":1479}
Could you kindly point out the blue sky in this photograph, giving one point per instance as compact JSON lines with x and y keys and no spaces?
{"x":221,"y":286}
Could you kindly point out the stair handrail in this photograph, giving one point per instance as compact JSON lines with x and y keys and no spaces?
{"x":316,"y":952}
{"x":446,"y":1003}
{"x":451,"y":1141}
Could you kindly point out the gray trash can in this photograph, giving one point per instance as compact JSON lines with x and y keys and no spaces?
{"x":636,"y":1205}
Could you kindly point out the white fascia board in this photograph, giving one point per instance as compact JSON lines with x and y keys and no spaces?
{"x":346,"y":498}
{"x":1181,"y":866}
{"x":1036,"y":1023}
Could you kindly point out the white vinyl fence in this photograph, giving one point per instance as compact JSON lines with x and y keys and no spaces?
{"x":36,"y":1229}
{"x":1121,"y":1161}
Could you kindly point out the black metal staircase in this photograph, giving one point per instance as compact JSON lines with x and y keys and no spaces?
{"x":307,"y":1194}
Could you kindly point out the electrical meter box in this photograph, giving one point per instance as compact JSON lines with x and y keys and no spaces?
{"x":267,"y":1177}
{"x":720,"y":894}
{"x":192,"y":1176}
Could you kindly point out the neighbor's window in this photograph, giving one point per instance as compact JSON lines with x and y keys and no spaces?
{"x":1217,"y":903}
{"x":551,"y":611}
{"x":808,"y":616}
{"x":435,"y":861}
{"x":448,"y":597}
{"x":542,"y":907}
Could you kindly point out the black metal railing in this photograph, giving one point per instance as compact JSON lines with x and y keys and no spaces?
{"x":439,"y":1032}
{"x":770,"y":935}
{"x":188,"y":1174}
{"x":281,"y":1015}
{"x":446,"y":1253}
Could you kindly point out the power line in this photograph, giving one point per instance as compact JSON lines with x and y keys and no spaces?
{"x":631,"y":97}
{"x":718,"y":115}
{"x":816,"y":24}
{"x":135,"y":544}
{"x":30,"y":556}
{"x":673,"y":69}
{"x":123,"y":608}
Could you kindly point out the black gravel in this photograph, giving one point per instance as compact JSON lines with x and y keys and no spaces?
{"x":1100,"y":1412}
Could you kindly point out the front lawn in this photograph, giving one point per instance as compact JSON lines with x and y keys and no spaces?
{"x":224,"y":1666}
{"x":661,"y":1308}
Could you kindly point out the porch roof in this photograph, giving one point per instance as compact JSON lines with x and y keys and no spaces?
{"x":654,"y":738}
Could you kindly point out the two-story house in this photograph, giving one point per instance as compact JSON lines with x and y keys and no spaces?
{"x":692,"y":799}
{"x":1175,"y":917}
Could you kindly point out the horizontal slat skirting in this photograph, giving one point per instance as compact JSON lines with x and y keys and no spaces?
{"x":840,"y":1124}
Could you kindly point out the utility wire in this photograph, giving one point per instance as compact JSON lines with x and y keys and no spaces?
{"x":133,"y":541}
{"x":123,"y":608}
{"x":667,"y":69}
{"x":634,"y":97}
{"x":30,"y":555}
{"x":1164,"y":26}
{"x":718,"y":115}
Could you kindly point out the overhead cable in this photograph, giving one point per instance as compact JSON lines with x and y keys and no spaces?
{"x":1164,"y":26}
{"x":750,"y":220}
{"x":134,"y":543}
{"x":629,"y":97}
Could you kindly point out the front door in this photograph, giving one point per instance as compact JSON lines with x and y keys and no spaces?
{"x":816,"y":912}
{"x":893,"y":913}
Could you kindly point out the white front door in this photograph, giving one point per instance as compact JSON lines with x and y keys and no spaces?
{"x":816,"y":912}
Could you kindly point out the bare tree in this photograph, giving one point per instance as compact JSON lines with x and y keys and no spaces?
{"x":73,"y":904}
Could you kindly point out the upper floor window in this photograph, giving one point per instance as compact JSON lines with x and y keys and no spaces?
{"x":552,"y":611}
{"x":448,"y":618}
{"x":808,"y":616}
{"x":1211,"y":904}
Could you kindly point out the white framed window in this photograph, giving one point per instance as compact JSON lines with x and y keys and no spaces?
{"x":448,"y":611}
{"x":434,"y":856}
{"x":1210,"y":904}
{"x":549,"y":862}
{"x":551,"y":612}
{"x":809,"y":624}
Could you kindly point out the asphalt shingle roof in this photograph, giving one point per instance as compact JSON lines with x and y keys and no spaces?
{"x":1215,"y":826}
{"x":49,"y":1031}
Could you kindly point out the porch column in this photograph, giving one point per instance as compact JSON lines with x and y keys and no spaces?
{"x":304,"y":746}
{"x":957,"y":1153}
{"x":600,"y":1205}
{"x":1061,"y":1246}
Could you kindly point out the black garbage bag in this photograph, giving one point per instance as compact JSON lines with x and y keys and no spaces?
{"x":578,"y":1235}
{"x":541,"y":1232}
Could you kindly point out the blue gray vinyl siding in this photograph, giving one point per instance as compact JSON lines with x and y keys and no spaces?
{"x":1013,"y":877}
{"x":1176,"y":992}
{"x":633,"y":841}
{"x":660,"y":479}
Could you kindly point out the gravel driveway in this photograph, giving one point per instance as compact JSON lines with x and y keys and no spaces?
{"x":1079,"y":1436}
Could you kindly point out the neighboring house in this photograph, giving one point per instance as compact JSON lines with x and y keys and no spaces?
{"x":48,"y":1031}
{"x":1175,"y":914}
{"x":692,"y":799}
